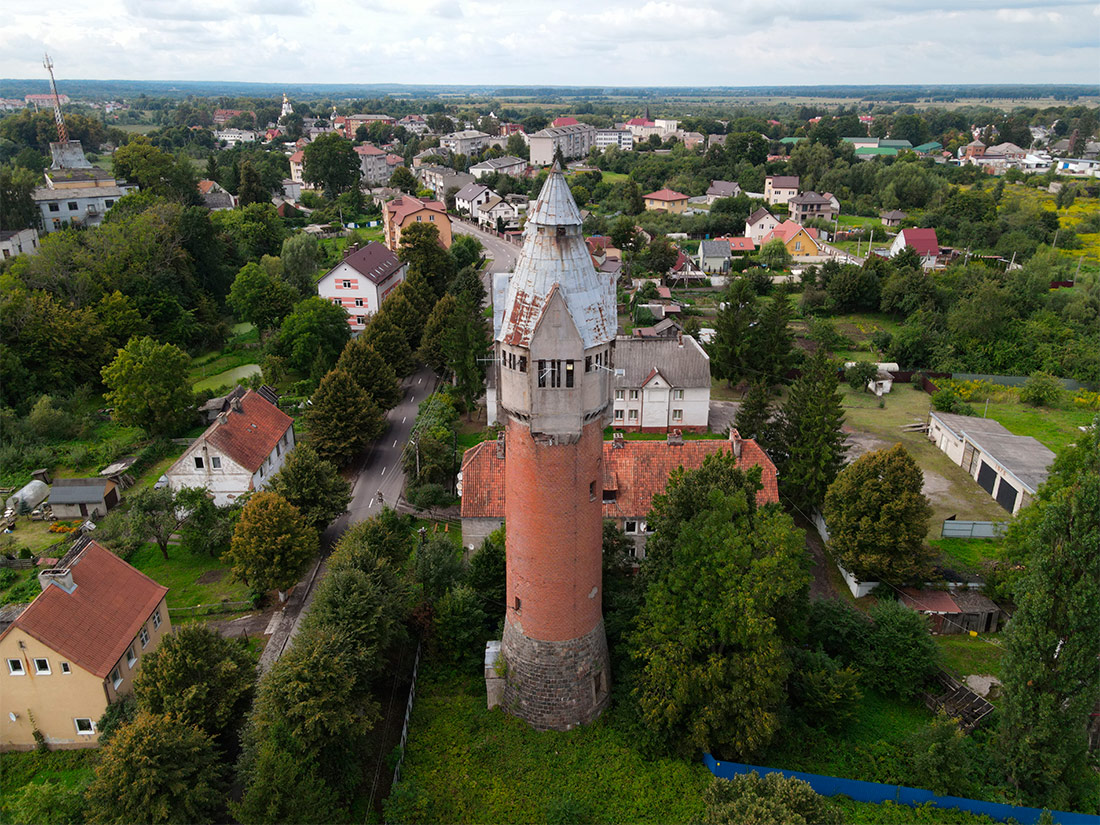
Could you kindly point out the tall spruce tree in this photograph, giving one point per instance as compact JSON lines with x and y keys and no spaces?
{"x":1050,"y":674}
{"x":774,"y":341}
{"x":755,"y":412}
{"x":808,"y":447}
{"x":466,"y":345}
{"x":732,"y":352}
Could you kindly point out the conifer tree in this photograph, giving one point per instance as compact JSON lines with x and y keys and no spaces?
{"x":774,"y":341}
{"x":754,"y":413}
{"x":251,"y":188}
{"x":343,"y":418}
{"x":808,"y":447}
{"x":389,"y":341}
{"x":466,"y":345}
{"x":370,"y":371}
{"x":733,"y":352}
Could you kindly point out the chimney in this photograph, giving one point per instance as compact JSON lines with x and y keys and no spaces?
{"x":617,"y":441}
{"x":735,"y":439}
{"x":680,"y":339}
{"x":60,"y":576}
{"x":675,"y":437}
{"x":235,"y":404}
{"x":500,"y":445}
{"x":223,"y":417}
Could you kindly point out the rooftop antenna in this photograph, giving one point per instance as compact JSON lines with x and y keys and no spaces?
{"x":62,"y":132}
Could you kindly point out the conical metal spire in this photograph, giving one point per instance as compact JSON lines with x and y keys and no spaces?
{"x":555,"y":205}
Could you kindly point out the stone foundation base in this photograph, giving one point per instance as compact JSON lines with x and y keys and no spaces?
{"x":556,"y":685}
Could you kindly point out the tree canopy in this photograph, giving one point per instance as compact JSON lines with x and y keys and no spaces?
{"x":272,"y":544}
{"x":148,"y":387}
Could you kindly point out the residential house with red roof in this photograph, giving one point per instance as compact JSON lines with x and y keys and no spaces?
{"x":361,"y":282}
{"x":215,"y":196}
{"x":666,"y":200}
{"x":633,"y":473}
{"x":405,"y":211}
{"x":801,"y":241}
{"x":297,"y":164}
{"x":77,"y":648}
{"x":239,"y":453}
{"x":923,"y":241}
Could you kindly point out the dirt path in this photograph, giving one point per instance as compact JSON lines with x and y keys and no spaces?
{"x":821,"y":585}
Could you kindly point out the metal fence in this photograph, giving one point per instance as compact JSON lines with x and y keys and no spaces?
{"x":408,"y":715}
{"x":1013,"y":380}
{"x":900,"y":794}
{"x":955,"y":529}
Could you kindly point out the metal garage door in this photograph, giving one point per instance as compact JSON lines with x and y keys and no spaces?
{"x":1006,"y":495}
{"x":986,"y":477}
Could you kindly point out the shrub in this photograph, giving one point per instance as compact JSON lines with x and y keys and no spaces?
{"x":941,"y":758}
{"x":425,"y":496}
{"x":1041,"y":390}
{"x":460,"y":626}
{"x":900,"y":655}
{"x":47,"y":803}
{"x":749,"y":799}
{"x":840,"y":631}
{"x":823,"y":694}
{"x":947,"y":400}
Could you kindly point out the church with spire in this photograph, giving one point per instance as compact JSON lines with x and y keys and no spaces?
{"x":554,"y":353}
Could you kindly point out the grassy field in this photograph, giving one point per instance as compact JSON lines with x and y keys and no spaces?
{"x":1055,"y":428}
{"x":191,"y":579}
{"x":228,"y":378}
{"x":966,"y":655}
{"x":474,"y":765}
{"x":72,"y":769}
{"x":949,"y":488}
{"x":967,"y":555}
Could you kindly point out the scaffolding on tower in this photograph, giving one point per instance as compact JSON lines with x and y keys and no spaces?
{"x":62,"y":132}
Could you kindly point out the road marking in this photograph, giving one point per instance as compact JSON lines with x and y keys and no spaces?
{"x":383,"y":471}
{"x":395,"y":442}
{"x":403,"y":419}
{"x":419,"y":380}
{"x":371,"y":504}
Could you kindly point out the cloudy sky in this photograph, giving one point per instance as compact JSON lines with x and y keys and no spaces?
{"x":576,"y":42}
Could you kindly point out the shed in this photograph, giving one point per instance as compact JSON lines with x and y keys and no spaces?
{"x":953,"y":613}
{"x":83,"y":497}
{"x":31,"y":494}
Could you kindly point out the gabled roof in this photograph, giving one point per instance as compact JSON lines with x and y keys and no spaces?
{"x":783,"y":181}
{"x":714,"y":249}
{"x":374,"y":261}
{"x":78,"y":490}
{"x":489,"y":205}
{"x":760,"y":214}
{"x":922,"y":240}
{"x":894,"y":215}
{"x":400,"y":208}
{"x":95,"y":623}
{"x":636,"y":470}
{"x":666,"y":195}
{"x":565,"y":121}
{"x":787,"y":230}
{"x":683,"y":363}
{"x":298,"y":156}
{"x":740,"y":244}
{"x":640,"y":121}
{"x":723,"y":188}
{"x":248,"y":435}
{"x":472,"y":191}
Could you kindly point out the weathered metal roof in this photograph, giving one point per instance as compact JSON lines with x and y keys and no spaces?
{"x":554,"y":255}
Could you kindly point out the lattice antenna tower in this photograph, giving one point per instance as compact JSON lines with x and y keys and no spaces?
{"x":62,"y":132}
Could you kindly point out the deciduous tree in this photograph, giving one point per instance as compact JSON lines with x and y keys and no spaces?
{"x":259,"y":298}
{"x":878,"y":517}
{"x":370,"y":371}
{"x":343,"y":419}
{"x":313,"y":485}
{"x":301,"y":256}
{"x":272,"y":544}
{"x":157,"y":769}
{"x":197,"y":676}
{"x":900,"y":656}
{"x":313,"y":335}
{"x":148,"y":387}
{"x":774,"y":255}
{"x":388,"y":339}
{"x":750,"y":799}
{"x":423,"y":252}
{"x":433,"y":351}
{"x":403,"y":179}
{"x":331,"y":162}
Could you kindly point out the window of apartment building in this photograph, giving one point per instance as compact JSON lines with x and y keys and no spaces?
{"x":634,"y":395}
{"x":361,"y":319}
{"x":336,"y":302}
{"x":633,"y":416}
{"x":568,"y":373}
{"x":156,"y":618}
{"x":347,"y":284}
{"x":143,"y":637}
{"x":41,"y":667}
{"x":54,"y":207}
{"x":542,"y":373}
{"x":618,"y":415}
{"x":216,"y":462}
{"x":73,"y":206}
{"x":131,"y":657}
{"x":198,"y":462}
{"x":620,"y":395}
{"x":115,"y":676}
{"x":359,"y":302}
{"x":677,"y":395}
{"x":65,"y":669}
{"x":630,"y":527}
{"x":523,"y":363}
{"x":15,"y":667}
{"x":677,"y":416}
{"x":84,"y":726}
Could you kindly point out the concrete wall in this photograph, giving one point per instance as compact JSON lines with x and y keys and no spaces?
{"x":943,"y":438}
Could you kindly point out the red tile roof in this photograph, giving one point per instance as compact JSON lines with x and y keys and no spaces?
{"x":298,"y":156}
{"x":94,"y":624}
{"x":928,"y":601}
{"x":924,"y":241}
{"x":565,"y":121}
{"x":400,"y":208}
{"x":739,"y":244}
{"x":248,"y":436}
{"x":368,"y":149}
{"x":640,"y":121}
{"x":637,"y":471}
{"x":206,"y":186}
{"x":666,"y":195}
{"x":787,"y":230}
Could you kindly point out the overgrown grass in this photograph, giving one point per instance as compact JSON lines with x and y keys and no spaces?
{"x":967,"y":554}
{"x":228,"y":378}
{"x":18,"y":586}
{"x":440,"y":528}
{"x":889,"y":813}
{"x":180,"y":573}
{"x":1055,"y":428}
{"x":71,"y":768}
{"x":475,"y":765}
{"x":964,"y":655}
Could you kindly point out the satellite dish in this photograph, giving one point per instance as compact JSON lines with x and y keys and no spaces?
{"x":12,"y":716}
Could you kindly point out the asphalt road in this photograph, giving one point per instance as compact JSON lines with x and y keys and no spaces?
{"x":502,"y":254}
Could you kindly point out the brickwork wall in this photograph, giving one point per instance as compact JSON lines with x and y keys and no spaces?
{"x":556,"y":685}
{"x":554,"y":512}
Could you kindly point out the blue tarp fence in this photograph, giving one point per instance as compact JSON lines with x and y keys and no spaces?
{"x":877,"y":792}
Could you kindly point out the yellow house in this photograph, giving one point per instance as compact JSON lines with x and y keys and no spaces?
{"x":800,"y":241}
{"x":666,"y":200}
{"x":77,"y":648}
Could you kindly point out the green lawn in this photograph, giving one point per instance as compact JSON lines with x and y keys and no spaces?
{"x":228,"y":378}
{"x":18,"y":586}
{"x":473,"y":765}
{"x":1056,"y":428}
{"x":150,"y":476}
{"x":964,"y":655}
{"x":614,"y":177}
{"x":181,"y":574}
{"x":967,"y":555}
{"x":72,"y":768}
